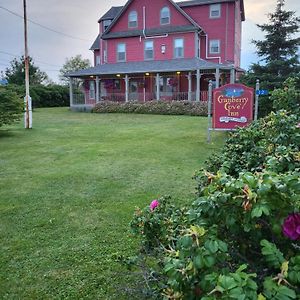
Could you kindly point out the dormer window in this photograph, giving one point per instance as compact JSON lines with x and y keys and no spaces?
{"x":165,"y":16}
{"x":215,"y":11}
{"x":106,"y":24}
{"x":132,"y":19}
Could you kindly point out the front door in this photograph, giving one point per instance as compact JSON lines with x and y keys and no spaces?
{"x":133,"y":91}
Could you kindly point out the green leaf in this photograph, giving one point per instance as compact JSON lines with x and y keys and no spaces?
{"x":211,"y":246}
{"x":227,"y":282}
{"x":273,"y":256}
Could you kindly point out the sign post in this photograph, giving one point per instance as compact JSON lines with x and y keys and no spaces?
{"x":209,"y":111}
{"x":256,"y":100}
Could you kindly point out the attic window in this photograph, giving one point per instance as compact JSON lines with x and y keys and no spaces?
{"x":132,"y":19}
{"x":165,"y":16}
{"x":106,"y":23}
{"x":215,"y":11}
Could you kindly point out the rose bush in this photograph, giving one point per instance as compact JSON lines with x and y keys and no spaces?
{"x":239,"y":239}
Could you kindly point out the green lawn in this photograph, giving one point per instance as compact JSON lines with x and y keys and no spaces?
{"x":68,"y":189}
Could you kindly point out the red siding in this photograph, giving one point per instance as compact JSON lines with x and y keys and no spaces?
{"x":135,"y":47}
{"x":152,"y":15}
{"x":222,"y":29}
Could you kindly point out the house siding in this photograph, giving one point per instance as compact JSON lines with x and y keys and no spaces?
{"x":135,"y":47}
{"x":152,"y":14}
{"x":222,"y":29}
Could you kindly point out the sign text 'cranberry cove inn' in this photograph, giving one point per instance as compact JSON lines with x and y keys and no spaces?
{"x":162,"y":50}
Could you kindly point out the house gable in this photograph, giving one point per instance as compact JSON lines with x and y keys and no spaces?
{"x":152,"y":16}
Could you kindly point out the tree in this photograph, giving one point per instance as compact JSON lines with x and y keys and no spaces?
{"x":10,"y":107}
{"x":278,"y":51}
{"x":73,"y":64}
{"x":15,"y":74}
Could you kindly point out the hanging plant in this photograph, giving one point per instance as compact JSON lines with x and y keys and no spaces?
{"x":173,"y":82}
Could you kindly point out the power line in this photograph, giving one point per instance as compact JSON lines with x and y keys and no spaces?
{"x":39,"y":61}
{"x":43,"y":26}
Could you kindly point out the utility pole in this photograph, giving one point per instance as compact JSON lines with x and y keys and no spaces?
{"x":27,"y":99}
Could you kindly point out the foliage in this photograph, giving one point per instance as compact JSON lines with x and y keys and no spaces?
{"x":229,"y":243}
{"x":154,"y":107}
{"x":73,"y":64}
{"x":288,"y":97}
{"x":10,"y":107}
{"x":15,"y":74}
{"x":44,"y":96}
{"x":278,"y":51}
{"x":273,"y":141}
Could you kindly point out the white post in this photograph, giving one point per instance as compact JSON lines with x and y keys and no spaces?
{"x":217,"y":75}
{"x":71,"y":91}
{"x":157,"y":87}
{"x":190,"y":86}
{"x":232,"y":76}
{"x":209,"y":111}
{"x":198,"y":77}
{"x":97,"y":89}
{"x":126,"y":88}
{"x":256,"y":100}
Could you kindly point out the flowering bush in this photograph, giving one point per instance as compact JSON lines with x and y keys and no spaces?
{"x":153,"y":107}
{"x":240,"y":238}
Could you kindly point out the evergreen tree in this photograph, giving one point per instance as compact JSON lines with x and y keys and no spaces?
{"x":15,"y":74}
{"x":278,"y":51}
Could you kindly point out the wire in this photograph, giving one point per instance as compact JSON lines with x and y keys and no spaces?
{"x":43,"y":26}
{"x":39,"y":61}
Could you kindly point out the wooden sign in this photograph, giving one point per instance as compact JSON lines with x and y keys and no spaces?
{"x":232,"y":106}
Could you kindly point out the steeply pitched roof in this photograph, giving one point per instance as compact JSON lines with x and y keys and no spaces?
{"x":154,"y":66}
{"x":96,"y":44}
{"x":123,"y":9}
{"x":149,"y":32}
{"x":111,"y":14}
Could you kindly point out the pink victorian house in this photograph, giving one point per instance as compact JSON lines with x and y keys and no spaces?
{"x":162,"y":50}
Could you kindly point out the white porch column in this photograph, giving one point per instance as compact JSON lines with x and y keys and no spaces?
{"x":157,"y":87}
{"x":190,"y":86}
{"x":126,"y":88}
{"x":232,"y":76}
{"x":217,"y":75}
{"x":97,"y":89}
{"x":198,"y":77}
{"x":71,"y":91}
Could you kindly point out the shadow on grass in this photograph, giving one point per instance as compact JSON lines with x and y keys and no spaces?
{"x":7,"y":133}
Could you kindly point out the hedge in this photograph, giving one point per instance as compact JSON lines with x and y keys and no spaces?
{"x":44,"y":96}
{"x":154,"y":107}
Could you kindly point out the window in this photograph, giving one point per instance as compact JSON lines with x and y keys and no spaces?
{"x":92,"y":90}
{"x":149,"y":53}
{"x":165,"y":16}
{"x":215,"y":11}
{"x":106,"y":23}
{"x":132,"y":19}
{"x":178,"y":48}
{"x":121,"y":52}
{"x":97,"y":60}
{"x":214,"y":46}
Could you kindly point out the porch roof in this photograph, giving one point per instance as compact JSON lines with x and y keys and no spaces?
{"x":151,"y":66}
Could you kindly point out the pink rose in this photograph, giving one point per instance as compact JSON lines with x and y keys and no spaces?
{"x":298,"y":125}
{"x":154,"y":204}
{"x":291,"y":226}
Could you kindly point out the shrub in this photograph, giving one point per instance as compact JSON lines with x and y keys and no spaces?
{"x":240,"y":238}
{"x":10,"y":107}
{"x":154,"y":107}
{"x":44,"y":96}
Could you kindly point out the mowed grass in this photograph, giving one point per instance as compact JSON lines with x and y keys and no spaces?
{"x":68,"y":190}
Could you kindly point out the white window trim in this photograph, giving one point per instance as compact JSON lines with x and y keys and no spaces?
{"x":145,"y":58}
{"x":211,"y":9}
{"x":162,"y":18}
{"x":174,"y":43}
{"x":136,"y":20}
{"x":210,"y":46}
{"x":118,"y":60}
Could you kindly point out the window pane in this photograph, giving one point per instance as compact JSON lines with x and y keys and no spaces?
{"x":165,"y":15}
{"x":215,"y":10}
{"x":178,"y":48}
{"x":179,"y":43}
{"x":214,"y":46}
{"x":132,"y":19}
{"x":149,"y":53}
{"x":121,"y":47}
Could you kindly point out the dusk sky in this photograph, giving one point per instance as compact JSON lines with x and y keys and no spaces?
{"x":79,"y":19}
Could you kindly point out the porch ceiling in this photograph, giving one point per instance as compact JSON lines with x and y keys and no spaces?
{"x":153,"y":66}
